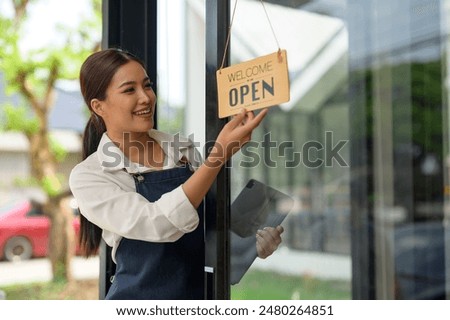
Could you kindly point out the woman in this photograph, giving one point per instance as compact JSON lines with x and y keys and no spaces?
{"x":142,"y":194}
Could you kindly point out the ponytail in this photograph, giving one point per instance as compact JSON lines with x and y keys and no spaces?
{"x":92,"y":135}
{"x":90,"y":234}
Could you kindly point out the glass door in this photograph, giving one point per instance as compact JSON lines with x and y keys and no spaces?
{"x":302,"y":150}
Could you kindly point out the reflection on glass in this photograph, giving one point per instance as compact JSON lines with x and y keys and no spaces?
{"x":362,"y":148}
{"x":397,"y":83}
{"x":302,"y":150}
{"x":256,"y":207}
{"x":368,"y":84}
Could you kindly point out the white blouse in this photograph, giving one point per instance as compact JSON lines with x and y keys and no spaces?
{"x":106,"y":194}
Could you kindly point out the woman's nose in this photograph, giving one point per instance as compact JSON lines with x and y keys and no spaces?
{"x":146,"y":96}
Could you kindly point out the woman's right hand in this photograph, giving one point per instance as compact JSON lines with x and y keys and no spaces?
{"x":234,"y":135}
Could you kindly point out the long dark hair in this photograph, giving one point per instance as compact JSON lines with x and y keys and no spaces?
{"x":95,"y":76}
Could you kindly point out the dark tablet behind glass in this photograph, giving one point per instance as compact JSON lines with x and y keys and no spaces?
{"x":257,"y":206}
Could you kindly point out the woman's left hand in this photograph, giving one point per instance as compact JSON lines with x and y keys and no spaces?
{"x":268,"y":240}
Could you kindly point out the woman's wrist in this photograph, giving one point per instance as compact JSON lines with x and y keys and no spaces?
{"x":216,"y":157}
{"x":213,"y":161}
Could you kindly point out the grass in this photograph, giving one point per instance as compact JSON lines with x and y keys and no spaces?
{"x":260,"y":285}
{"x":77,"y":290}
{"x":256,"y":285}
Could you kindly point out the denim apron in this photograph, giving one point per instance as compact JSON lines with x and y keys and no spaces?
{"x":165,"y":270}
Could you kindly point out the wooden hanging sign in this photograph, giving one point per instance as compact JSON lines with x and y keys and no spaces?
{"x":255,"y":84}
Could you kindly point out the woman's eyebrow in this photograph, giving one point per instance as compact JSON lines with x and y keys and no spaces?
{"x":132,"y":82}
{"x":126,"y":83}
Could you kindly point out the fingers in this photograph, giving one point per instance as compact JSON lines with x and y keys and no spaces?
{"x":280,"y":229}
{"x":268,"y":240}
{"x":238,"y":131}
{"x":272,"y":235}
{"x":257,"y":120}
{"x":248,"y":119}
{"x":264,"y":246}
{"x":238,"y":118}
{"x":252,"y":121}
{"x":260,"y":249}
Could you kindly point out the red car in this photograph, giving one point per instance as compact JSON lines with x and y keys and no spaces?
{"x":24,"y":230}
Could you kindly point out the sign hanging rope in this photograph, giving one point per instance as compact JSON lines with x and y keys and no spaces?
{"x":255,"y":84}
{"x":231,"y":25}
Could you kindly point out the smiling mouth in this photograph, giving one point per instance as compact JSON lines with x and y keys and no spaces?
{"x":143,"y":112}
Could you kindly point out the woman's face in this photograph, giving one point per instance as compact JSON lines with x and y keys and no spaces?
{"x":130,"y":102}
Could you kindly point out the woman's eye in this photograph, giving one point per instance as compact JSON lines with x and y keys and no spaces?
{"x":131,"y":89}
{"x":149,"y":85}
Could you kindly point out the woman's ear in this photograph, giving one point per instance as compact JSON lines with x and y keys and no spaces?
{"x":97,"y":107}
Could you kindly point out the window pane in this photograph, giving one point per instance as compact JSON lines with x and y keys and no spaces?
{"x":302,"y":150}
{"x":396,"y":90}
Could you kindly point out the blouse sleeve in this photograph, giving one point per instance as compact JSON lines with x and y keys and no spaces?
{"x":127,"y":213}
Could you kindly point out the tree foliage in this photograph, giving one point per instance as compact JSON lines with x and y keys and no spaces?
{"x":32,"y":74}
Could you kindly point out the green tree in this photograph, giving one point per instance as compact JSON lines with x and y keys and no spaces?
{"x":33,"y":75}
